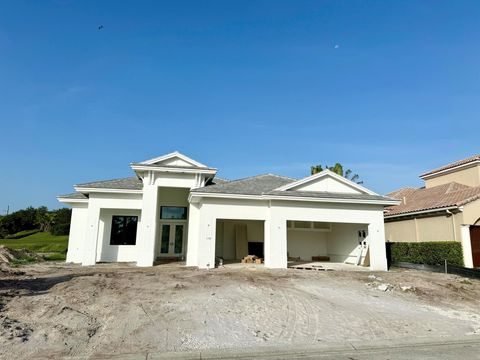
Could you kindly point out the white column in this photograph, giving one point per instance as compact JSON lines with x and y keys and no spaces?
{"x":376,"y":241}
{"x":206,"y":248}
{"x":193,"y":234}
{"x":90,"y":246}
{"x":146,"y":243}
{"x":275,"y":242}
{"x":466,"y":246}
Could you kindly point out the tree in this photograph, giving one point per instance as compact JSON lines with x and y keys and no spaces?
{"x":44,"y":219}
{"x":337,"y":169}
{"x":62,"y":221}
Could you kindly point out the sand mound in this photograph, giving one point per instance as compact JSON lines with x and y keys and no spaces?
{"x":8,"y":255}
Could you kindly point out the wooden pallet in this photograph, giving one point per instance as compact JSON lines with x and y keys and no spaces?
{"x":310,"y":267}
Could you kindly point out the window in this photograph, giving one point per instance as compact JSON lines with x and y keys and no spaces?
{"x":124,"y":230}
{"x":309,"y":225}
{"x":173,"y":213}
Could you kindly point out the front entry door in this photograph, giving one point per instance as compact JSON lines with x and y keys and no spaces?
{"x":475,"y":241}
{"x":171,"y":239}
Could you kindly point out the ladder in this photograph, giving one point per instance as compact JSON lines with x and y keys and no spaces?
{"x":362,"y":253}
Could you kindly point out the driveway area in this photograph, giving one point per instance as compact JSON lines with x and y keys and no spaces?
{"x":57,"y":310}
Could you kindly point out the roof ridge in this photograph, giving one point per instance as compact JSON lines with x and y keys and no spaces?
{"x":281,"y":176}
{"x":257,"y":176}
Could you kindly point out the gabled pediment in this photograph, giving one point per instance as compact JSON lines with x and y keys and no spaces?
{"x":326,"y":181}
{"x":174,"y":159}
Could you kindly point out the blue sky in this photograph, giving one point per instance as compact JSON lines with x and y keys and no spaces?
{"x":389,"y":89}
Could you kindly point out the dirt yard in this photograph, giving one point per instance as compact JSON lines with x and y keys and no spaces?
{"x":56,"y":310}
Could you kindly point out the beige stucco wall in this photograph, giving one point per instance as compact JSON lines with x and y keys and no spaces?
{"x":468,"y":176}
{"x":471,"y":213}
{"x":435,"y":228}
{"x":400,"y":231}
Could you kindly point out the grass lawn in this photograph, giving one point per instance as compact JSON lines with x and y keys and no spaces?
{"x":41,"y":242}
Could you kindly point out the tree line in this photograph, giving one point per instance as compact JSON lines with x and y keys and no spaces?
{"x":55,"y":221}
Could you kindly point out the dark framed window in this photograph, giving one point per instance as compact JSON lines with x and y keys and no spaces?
{"x":124,"y":230}
{"x":173,"y":213}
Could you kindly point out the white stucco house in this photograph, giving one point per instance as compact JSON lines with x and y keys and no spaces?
{"x":175,"y":207}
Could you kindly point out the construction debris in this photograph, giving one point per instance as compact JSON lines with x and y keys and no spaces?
{"x":252,"y":259}
{"x":310,"y":266}
{"x":320,"y":258}
{"x":384,"y":287}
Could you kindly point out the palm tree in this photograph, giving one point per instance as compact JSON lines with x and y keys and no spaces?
{"x":44,"y":219}
{"x":337,"y":169}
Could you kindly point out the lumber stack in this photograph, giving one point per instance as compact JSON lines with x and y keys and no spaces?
{"x":252,"y":259}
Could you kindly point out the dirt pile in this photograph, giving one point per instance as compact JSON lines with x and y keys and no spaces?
{"x":13,"y":329}
{"x":60,"y":310}
{"x":8,"y":255}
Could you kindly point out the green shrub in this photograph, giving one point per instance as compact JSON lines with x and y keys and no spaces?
{"x":60,"y":229}
{"x":428,"y":253}
{"x":23,"y":261}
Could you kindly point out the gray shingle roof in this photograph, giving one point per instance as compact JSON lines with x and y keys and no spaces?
{"x":75,"y":195}
{"x":330,"y":195}
{"x":255,"y":185}
{"x":266,"y":185}
{"x":130,"y":183}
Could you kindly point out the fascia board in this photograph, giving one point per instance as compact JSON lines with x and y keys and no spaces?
{"x":174,"y":169}
{"x":106,"y":190}
{"x":291,"y":198}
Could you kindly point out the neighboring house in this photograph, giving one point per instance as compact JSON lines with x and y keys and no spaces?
{"x":174,"y":207}
{"x":446,"y":209}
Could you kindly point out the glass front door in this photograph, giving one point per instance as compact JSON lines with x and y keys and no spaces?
{"x":171,"y":239}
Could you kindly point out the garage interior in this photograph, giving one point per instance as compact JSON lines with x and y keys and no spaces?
{"x":235,"y":239}
{"x":309,"y":241}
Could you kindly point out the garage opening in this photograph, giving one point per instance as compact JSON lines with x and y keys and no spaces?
{"x":315,"y":241}
{"x":235,"y":239}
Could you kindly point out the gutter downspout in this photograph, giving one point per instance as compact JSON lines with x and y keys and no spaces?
{"x":453,"y":224}
{"x":416,"y":229}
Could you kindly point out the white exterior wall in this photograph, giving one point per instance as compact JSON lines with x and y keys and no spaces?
{"x":327,"y":184}
{"x":193,"y":234}
{"x":78,"y":229}
{"x":343,"y":242}
{"x":275,"y":214}
{"x":155,"y":194}
{"x":466,"y":246}
{"x":305,"y":244}
{"x":115,"y":253}
{"x":202,"y":229}
{"x":96,"y":204}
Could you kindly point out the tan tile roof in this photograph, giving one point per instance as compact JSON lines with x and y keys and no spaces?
{"x":452,"y":165}
{"x":437,"y":197}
